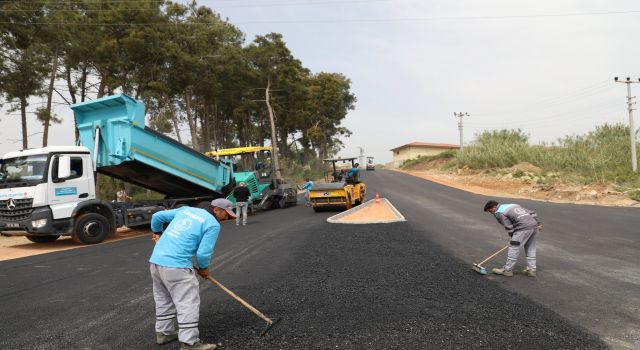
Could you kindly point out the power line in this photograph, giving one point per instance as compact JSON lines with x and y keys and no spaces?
{"x":356,"y":20}
{"x":596,"y":88}
{"x":291,"y":4}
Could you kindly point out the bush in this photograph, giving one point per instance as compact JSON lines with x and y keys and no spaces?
{"x":599,"y":156}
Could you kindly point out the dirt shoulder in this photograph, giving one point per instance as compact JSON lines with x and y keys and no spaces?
{"x":14,"y":247}
{"x":504,"y":184}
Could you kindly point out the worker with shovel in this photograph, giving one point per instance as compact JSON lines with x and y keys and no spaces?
{"x":522,"y":225}
{"x":192,"y":232}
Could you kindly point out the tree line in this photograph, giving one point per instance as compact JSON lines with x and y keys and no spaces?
{"x":193,"y":69}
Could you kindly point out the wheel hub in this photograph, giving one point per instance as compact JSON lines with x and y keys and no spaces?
{"x":92,"y":228}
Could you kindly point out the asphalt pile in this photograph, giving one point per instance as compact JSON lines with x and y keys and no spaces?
{"x":386,"y":287}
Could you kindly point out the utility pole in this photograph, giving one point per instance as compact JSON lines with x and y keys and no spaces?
{"x":361,"y":156}
{"x":632,"y":128}
{"x":460,"y":126}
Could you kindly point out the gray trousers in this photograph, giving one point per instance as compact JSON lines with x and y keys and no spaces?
{"x":524,"y":238}
{"x":241,"y":210}
{"x":177,"y":299}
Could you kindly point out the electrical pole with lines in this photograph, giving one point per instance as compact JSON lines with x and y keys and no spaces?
{"x":632,"y":128}
{"x":460,"y":126}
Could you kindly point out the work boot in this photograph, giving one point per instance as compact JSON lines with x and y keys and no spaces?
{"x":502,"y":272}
{"x":197,"y":346}
{"x":162,"y":339}
{"x":530,"y":273}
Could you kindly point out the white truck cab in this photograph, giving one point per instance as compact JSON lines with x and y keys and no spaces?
{"x":41,"y":189}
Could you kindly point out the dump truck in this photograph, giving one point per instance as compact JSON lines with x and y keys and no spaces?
{"x":254,"y":167}
{"x":51,"y":192}
{"x":339,"y":191}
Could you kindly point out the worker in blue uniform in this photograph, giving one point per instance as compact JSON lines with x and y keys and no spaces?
{"x":191,"y":232}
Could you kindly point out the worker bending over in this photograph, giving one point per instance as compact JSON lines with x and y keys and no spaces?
{"x":192,"y":232}
{"x":522,"y":225}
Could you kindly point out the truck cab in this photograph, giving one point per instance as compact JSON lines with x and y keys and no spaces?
{"x":41,"y":188}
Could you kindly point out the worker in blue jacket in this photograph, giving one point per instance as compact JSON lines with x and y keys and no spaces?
{"x":353,"y":173}
{"x":191,"y":232}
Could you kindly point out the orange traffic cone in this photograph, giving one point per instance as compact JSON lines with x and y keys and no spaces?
{"x":377,"y":197}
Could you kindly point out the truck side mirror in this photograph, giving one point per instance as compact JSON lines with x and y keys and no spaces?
{"x":64,"y":167}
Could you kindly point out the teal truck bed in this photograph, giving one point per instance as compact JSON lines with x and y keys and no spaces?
{"x":128,"y":150}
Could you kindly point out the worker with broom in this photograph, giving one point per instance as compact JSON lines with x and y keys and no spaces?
{"x":192,"y":232}
{"x":522,"y":225}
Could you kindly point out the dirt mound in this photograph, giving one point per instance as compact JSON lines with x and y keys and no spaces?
{"x":526,"y":167}
{"x":430,"y":164}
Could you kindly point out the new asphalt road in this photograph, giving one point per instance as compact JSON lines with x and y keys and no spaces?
{"x":403,"y":285}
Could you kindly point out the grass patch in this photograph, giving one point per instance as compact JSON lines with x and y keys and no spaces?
{"x":601,"y":156}
{"x":447,"y":155}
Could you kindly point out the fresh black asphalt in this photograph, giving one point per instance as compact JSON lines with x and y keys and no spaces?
{"x":335,"y":286}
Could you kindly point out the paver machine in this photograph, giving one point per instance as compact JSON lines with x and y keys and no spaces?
{"x":253,"y":166}
{"x":341,"y":191}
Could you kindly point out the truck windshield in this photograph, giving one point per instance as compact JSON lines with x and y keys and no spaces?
{"x":21,"y":171}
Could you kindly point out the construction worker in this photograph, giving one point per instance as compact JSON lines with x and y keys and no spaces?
{"x":242,"y":195}
{"x":353,"y":173}
{"x":192,"y":232}
{"x":122,"y":196}
{"x":307,"y":187}
{"x":522,"y":225}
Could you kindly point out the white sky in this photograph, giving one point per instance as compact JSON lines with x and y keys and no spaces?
{"x":546,"y":67}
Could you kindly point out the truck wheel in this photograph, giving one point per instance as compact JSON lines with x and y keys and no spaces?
{"x":42,"y":239}
{"x":90,"y":228}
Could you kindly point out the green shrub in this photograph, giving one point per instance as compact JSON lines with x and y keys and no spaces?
{"x":599,"y":156}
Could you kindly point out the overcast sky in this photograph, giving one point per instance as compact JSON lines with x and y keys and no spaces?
{"x":546,"y":67}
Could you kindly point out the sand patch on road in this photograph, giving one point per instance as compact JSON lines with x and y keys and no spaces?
{"x":369,"y":213}
{"x":14,"y":247}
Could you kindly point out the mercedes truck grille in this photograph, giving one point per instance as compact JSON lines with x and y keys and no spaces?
{"x":20,"y":209}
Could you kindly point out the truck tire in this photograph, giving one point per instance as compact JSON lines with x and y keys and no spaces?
{"x":42,"y":239}
{"x":90,"y":228}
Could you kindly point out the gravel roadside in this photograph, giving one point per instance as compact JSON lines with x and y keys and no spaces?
{"x":388,"y":287}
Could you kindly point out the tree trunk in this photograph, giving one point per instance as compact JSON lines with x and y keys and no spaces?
{"x":274,"y":141}
{"x":103,"y":84}
{"x":23,"y":115}
{"x":192,"y":125}
{"x":174,"y":118}
{"x":54,"y":71}
{"x":72,"y":90}
{"x":72,"y":93}
{"x":83,"y":83}
{"x":283,"y":147}
{"x":205,"y":125}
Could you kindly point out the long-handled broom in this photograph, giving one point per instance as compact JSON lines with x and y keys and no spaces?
{"x":270,"y":322}
{"x":479,"y":268}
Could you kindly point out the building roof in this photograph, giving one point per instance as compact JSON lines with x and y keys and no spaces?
{"x":427,"y":145}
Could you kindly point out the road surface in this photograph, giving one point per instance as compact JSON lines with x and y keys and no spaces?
{"x":402,"y":285}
